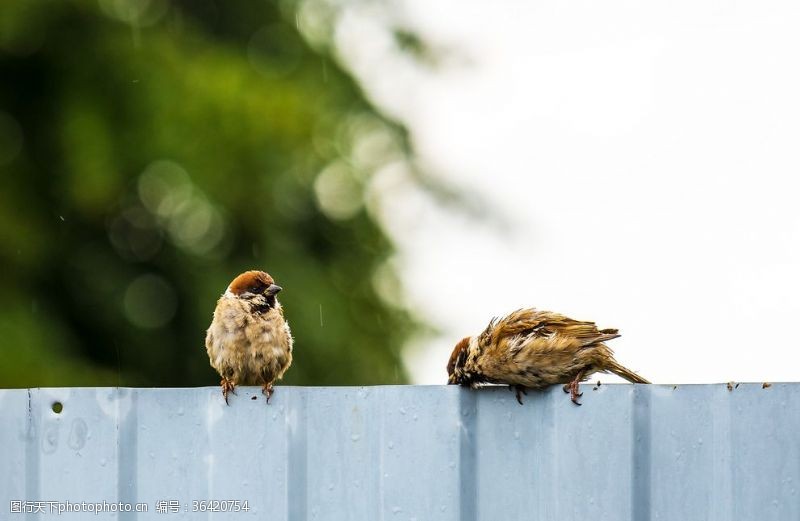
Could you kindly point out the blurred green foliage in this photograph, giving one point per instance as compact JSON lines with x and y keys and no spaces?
{"x":152,"y":150}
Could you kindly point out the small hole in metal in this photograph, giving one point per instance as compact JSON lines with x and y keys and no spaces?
{"x":57,"y":407}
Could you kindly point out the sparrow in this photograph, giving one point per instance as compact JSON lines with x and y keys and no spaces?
{"x":248,"y":341}
{"x":535,"y":349}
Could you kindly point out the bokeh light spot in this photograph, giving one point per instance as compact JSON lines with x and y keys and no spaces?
{"x":149,"y":302}
{"x":181,"y":209}
{"x":339,"y":195}
{"x":134,"y":234}
{"x":143,"y":13}
{"x":164,"y":186}
{"x":387,"y":284}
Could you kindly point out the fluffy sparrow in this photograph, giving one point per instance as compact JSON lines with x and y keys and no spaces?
{"x":535,"y":349}
{"x":249,"y":342}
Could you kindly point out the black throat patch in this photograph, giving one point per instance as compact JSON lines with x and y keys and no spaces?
{"x":263,"y":307}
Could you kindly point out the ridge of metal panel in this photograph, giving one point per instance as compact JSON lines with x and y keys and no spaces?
{"x":643,"y":452}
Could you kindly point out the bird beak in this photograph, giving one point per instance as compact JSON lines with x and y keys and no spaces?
{"x":272,"y":290}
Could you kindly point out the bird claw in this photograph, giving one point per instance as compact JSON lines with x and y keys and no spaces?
{"x":520,"y":391}
{"x":267,"y":390}
{"x":573,"y":389}
{"x":227,"y":387}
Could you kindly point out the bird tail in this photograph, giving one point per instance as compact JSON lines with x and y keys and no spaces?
{"x":604,"y":336}
{"x":625,"y":373}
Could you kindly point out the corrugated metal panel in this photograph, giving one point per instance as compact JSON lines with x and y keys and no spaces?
{"x":405,"y":452}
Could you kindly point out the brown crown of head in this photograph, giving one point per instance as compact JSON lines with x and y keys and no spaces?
{"x":460,"y":347}
{"x":251,"y":281}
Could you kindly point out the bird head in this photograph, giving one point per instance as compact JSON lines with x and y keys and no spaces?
{"x":455,"y":366}
{"x":258,"y":287}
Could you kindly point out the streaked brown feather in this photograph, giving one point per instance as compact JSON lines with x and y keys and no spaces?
{"x":536,"y":349}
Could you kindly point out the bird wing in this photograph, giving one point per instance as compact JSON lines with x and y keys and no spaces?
{"x":531,"y":324}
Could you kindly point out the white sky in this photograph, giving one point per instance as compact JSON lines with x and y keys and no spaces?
{"x":647,"y":156}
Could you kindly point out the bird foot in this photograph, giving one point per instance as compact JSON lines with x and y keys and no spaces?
{"x":267,"y":390}
{"x":572,"y":389}
{"x":520,"y":389}
{"x":227,"y":387}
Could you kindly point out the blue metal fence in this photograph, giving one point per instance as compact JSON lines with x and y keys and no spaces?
{"x":403,"y":452}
